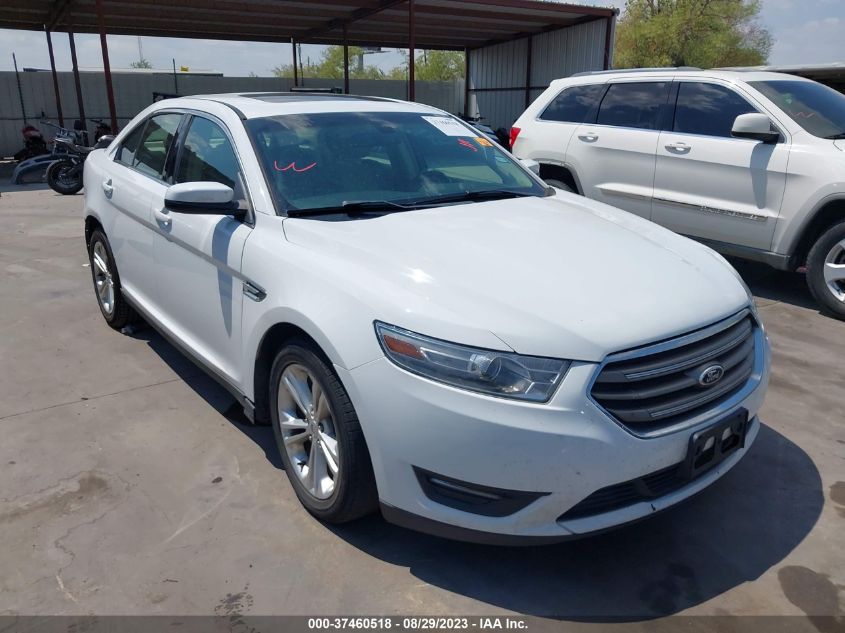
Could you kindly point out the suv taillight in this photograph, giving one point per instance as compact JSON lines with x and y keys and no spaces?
{"x":514,"y":133}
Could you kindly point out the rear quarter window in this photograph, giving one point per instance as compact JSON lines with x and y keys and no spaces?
{"x":576,"y":104}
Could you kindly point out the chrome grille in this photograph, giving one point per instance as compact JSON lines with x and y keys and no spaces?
{"x":647,"y":392}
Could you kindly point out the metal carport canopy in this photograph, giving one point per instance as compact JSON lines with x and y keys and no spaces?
{"x":438,"y":24}
{"x":433,"y":24}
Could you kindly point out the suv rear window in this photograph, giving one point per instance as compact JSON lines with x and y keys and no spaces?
{"x":574,"y":104}
{"x":633,"y":104}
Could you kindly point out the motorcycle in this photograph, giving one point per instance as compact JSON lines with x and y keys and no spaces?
{"x":33,"y":144}
{"x":65,"y":174}
{"x":77,"y":136}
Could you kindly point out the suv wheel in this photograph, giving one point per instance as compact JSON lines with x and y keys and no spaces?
{"x":320,"y":440}
{"x":826,"y":270}
{"x":116,"y":311}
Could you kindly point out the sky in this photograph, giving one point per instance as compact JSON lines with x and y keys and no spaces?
{"x":804,"y":32}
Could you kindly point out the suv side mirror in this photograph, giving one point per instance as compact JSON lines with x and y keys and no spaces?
{"x":212,"y":198}
{"x":531,"y":164}
{"x":755,"y":126}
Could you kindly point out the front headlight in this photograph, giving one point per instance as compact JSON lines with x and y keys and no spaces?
{"x":495,"y":373}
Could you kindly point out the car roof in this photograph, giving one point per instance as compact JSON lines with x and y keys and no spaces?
{"x":251,"y":105}
{"x":684,"y":73}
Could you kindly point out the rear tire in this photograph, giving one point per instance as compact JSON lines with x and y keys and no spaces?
{"x":60,"y":181}
{"x":113,"y":306}
{"x":319,"y":437}
{"x":558,"y":184}
{"x":826,"y":270}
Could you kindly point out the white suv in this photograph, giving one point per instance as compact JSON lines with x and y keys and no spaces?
{"x":425,"y":323}
{"x":751,"y":163}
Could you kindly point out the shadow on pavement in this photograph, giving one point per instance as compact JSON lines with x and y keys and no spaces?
{"x":211,"y":391}
{"x":769,"y":284}
{"x":731,"y":533}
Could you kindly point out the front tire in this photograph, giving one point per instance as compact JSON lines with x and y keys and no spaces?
{"x":826,"y":270}
{"x":61,"y":180}
{"x":113,"y":306}
{"x":319,"y":437}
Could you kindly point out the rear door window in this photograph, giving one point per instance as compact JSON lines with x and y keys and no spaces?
{"x":709,"y":109}
{"x":574,"y":105}
{"x":634,"y":104}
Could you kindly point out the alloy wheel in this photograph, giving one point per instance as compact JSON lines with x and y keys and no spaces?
{"x":308,"y":431}
{"x":103,"y":280}
{"x":834,"y":271}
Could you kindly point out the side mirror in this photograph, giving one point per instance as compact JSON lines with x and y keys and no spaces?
{"x":754,"y":126}
{"x":531,"y":164}
{"x":104,"y":141}
{"x":211,"y":198}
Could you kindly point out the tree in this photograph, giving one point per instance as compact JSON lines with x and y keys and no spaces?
{"x":141,"y":63}
{"x":703,"y":33}
{"x":330,"y":66}
{"x":433,"y":66}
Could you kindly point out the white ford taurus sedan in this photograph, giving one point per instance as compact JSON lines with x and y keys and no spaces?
{"x":428,"y":327}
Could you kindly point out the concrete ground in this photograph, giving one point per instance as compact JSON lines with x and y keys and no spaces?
{"x":130,"y":484}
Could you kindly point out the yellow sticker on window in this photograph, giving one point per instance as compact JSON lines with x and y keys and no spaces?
{"x":483,"y":141}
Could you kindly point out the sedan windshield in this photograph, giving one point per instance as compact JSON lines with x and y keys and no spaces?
{"x":816,"y":108}
{"x":389,"y":160}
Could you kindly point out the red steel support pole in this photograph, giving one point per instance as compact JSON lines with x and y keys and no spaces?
{"x":466,"y":82}
{"x":530,"y":45}
{"x":345,"y":62}
{"x":55,"y":78}
{"x":76,"y":81}
{"x":411,"y":50}
{"x":295,"y":65}
{"x":104,"y":47}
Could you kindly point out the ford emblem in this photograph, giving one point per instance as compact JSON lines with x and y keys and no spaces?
{"x":711,"y":375}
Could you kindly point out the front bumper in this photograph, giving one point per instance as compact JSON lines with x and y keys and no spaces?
{"x":566,"y":449}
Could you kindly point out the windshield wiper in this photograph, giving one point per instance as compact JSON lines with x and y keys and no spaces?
{"x":472,"y":196}
{"x":836,"y":137}
{"x":350,"y":208}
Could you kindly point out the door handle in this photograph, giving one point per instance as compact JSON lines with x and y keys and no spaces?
{"x":589,"y":137}
{"x":162,"y":216}
{"x":108,"y":189}
{"x":679,"y":148}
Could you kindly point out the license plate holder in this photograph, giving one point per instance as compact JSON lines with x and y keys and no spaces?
{"x":711,"y":446}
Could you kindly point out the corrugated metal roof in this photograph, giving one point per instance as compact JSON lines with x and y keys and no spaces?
{"x":452,"y":24}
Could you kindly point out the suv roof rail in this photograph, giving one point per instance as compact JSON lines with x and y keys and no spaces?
{"x":632,"y":70}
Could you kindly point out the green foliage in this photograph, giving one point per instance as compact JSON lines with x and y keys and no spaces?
{"x":141,"y":63}
{"x":429,"y":66}
{"x":432,"y":66}
{"x":330,"y":66}
{"x":703,"y":33}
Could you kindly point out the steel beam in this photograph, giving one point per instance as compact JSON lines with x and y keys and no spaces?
{"x":80,"y":105}
{"x":55,"y":79}
{"x":104,"y":47}
{"x":411,"y":50}
{"x":345,"y":62}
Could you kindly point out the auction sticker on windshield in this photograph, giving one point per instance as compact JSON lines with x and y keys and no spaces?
{"x":449,"y":126}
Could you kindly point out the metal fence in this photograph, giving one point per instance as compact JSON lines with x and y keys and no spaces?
{"x":134,"y":91}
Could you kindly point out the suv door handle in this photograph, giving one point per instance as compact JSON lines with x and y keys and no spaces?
{"x":679,"y":148}
{"x":162,"y":216}
{"x":589,"y":137}
{"x":108,"y":189}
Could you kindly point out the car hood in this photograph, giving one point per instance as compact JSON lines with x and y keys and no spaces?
{"x":561,"y":276}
